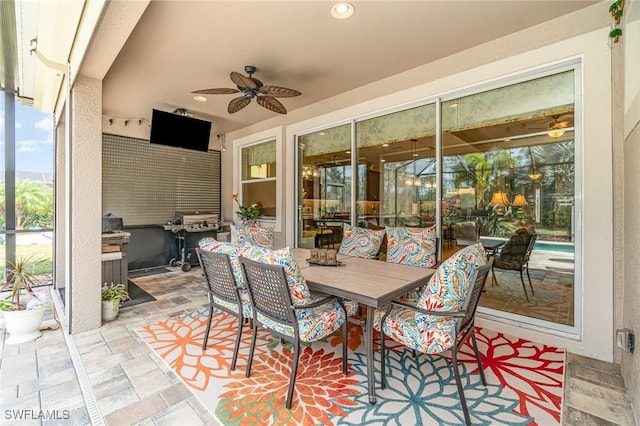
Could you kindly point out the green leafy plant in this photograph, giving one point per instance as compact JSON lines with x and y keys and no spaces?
{"x":617,"y":11}
{"x":20,"y":280}
{"x":114,"y":293}
{"x":247,"y":213}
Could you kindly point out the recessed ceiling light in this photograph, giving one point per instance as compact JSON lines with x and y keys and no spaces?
{"x":453,"y":105}
{"x":383,"y":161}
{"x":385,"y":145}
{"x":347,"y":152}
{"x":200,"y":98}
{"x":342,"y":10}
{"x":415,"y":154}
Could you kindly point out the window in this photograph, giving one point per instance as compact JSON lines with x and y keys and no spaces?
{"x":257,"y":178}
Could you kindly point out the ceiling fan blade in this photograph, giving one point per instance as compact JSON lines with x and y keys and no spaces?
{"x":243,"y":81}
{"x":272,"y":104}
{"x":217,"y":91}
{"x":279,"y":92}
{"x":237,"y":104}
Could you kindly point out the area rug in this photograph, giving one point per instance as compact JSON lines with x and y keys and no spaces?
{"x":525,"y":379}
{"x":148,"y":271}
{"x":138,"y":296}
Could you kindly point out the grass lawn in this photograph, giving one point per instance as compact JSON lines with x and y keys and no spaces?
{"x":41,"y":252}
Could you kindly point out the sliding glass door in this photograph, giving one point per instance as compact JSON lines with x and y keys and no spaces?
{"x":504,"y":160}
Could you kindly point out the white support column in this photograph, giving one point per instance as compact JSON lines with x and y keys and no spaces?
{"x":84,"y":205}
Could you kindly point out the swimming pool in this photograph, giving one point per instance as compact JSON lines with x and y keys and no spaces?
{"x":554,"y":246}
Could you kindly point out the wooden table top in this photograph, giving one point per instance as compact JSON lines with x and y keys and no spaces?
{"x":370,"y":282}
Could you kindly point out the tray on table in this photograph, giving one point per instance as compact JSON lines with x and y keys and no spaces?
{"x":318,"y":263}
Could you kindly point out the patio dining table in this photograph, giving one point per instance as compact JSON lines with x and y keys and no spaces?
{"x":372,"y":283}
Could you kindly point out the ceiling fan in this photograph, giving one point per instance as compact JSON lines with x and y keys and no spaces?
{"x":252,"y":88}
{"x":555,"y":125}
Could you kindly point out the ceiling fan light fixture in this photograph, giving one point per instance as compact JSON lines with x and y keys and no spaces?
{"x":200,"y":98}
{"x":342,"y":10}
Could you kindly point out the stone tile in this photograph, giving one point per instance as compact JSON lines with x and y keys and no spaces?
{"x":139,"y":366}
{"x":118,"y":400}
{"x":115,"y":332}
{"x":76,"y":417}
{"x":22,"y":411}
{"x":614,"y":381}
{"x":104,"y":375}
{"x":175,"y":394}
{"x":181,"y":413}
{"x":596,"y":364}
{"x":50,"y":379}
{"x":201,"y":410}
{"x":54,"y":365}
{"x":573,"y":417}
{"x":19,"y":368}
{"x":105,"y":362}
{"x":598,"y":400}
{"x":151,"y":382}
{"x":9,"y":393}
{"x":137,"y":411}
{"x":98,"y":353}
{"x":111,"y":387}
{"x":65,"y":396}
{"x":123,"y":344}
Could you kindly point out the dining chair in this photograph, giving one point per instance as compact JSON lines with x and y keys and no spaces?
{"x":467,"y":233}
{"x":515,"y":255}
{"x":226,"y":292}
{"x":276,"y":311}
{"x":443,"y":317}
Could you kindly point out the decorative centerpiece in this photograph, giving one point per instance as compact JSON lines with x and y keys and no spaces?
{"x":249,"y":215}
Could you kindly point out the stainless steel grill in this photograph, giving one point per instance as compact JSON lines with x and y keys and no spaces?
{"x":197,"y":221}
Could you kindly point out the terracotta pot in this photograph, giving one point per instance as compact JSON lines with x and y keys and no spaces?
{"x":23,"y":326}
{"x":109,"y":311}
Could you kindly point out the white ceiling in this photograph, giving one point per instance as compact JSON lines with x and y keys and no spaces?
{"x":182,"y":46}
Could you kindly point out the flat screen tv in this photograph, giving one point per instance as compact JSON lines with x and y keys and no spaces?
{"x":179,"y":130}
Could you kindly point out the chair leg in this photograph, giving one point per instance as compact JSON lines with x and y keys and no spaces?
{"x":345,"y":343}
{"x":383,"y":360}
{"x":456,"y":373}
{"x":206,"y":333}
{"x":523,"y":286}
{"x":475,"y":350}
{"x":237,"y":345}
{"x":529,"y":277}
{"x":253,"y":345}
{"x":294,"y":370}
{"x":494,"y":280}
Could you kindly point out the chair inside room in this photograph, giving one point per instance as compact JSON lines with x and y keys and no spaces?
{"x":274,"y":311}
{"x":515,"y":254}
{"x":224,"y":294}
{"x":467,"y":233}
{"x":439,"y":330}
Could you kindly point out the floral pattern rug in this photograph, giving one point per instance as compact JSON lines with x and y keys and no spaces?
{"x":524,"y":379}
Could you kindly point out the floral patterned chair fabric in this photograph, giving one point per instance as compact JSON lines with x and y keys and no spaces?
{"x":412,"y":246}
{"x":443,"y":317}
{"x":261,"y":237}
{"x":361,"y":242}
{"x":269,"y":278}
{"x":300,"y":293}
{"x":225,"y":292}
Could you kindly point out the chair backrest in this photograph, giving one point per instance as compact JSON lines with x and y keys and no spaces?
{"x":519,"y":245}
{"x":472,"y":299}
{"x":361,"y":242}
{"x":467,"y":233}
{"x":269,"y":292}
{"x":532,"y":242}
{"x":219,"y":275}
{"x":256,"y":236}
{"x":412,"y":246}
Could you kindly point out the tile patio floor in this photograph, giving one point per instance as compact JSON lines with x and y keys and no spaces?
{"x":131,"y":385}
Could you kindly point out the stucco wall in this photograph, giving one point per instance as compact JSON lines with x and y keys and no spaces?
{"x":83,"y":239}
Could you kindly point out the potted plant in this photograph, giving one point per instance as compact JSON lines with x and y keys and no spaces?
{"x":112,"y":295}
{"x":22,"y":309}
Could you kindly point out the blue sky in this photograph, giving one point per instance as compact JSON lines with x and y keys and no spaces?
{"x":34,"y":139}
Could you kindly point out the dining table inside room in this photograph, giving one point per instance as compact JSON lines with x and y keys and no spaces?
{"x":372,"y":283}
